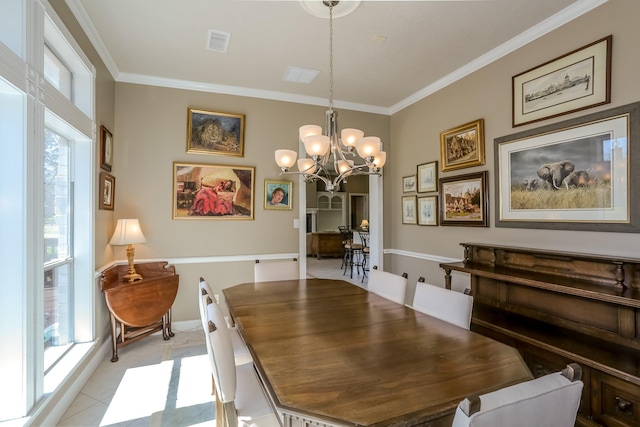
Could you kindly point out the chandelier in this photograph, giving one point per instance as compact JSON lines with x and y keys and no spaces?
{"x":328,"y":151}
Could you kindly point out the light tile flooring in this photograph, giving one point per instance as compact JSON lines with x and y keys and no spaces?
{"x":163,"y":383}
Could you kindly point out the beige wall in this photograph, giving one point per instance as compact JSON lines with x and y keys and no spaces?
{"x":150,"y":135}
{"x":487,"y":94}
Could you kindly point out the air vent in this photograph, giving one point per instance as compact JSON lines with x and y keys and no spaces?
{"x":300,"y":75}
{"x":218,"y":41}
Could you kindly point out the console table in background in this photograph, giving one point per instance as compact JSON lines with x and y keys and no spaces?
{"x":139,"y":308}
{"x":326,"y":244}
{"x":561,"y":307}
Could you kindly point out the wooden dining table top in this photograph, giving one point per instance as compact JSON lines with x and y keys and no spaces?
{"x":336,"y":352}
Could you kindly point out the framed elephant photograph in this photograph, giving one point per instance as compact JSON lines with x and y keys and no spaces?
{"x":581,"y":174}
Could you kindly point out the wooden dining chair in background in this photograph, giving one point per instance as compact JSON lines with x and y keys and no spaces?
{"x":445,"y":304}
{"x":240,"y":399}
{"x":240,"y":349}
{"x":551,"y":400}
{"x":388,"y":285}
{"x":270,"y":271}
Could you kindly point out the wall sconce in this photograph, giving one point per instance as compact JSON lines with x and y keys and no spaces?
{"x":128,"y":232}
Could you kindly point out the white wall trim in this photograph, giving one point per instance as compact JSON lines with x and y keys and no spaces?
{"x":418,"y":255}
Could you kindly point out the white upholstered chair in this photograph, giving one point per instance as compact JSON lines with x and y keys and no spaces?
{"x":446,"y":304}
{"x":276,"y":270}
{"x":551,"y":400}
{"x":240,"y":399}
{"x":240,"y":349}
{"x":388,"y":285}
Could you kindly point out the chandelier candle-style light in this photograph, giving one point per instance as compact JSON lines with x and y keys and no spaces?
{"x":323,"y":149}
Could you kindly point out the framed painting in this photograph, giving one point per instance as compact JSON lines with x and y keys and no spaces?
{"x":409,"y":210}
{"x":464,"y":200}
{"x":106,"y":149}
{"x":107,"y":194}
{"x":277,"y":195}
{"x":580,"y":174}
{"x":209,"y":132}
{"x":202,"y":191}
{"x":408,"y":184}
{"x":428,"y":210}
{"x":427,"y":177}
{"x":572,"y":82}
{"x":463,"y":146}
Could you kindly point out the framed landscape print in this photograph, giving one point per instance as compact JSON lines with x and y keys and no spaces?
{"x":464,"y":200}
{"x":463,"y":146}
{"x":427,"y":177}
{"x":202,"y":191}
{"x":571,"y":82}
{"x":428,"y":210}
{"x":581,"y":174}
{"x":210,"y":132}
{"x":107,"y":194}
{"x":409,"y":184}
{"x":277,"y":195}
{"x":409,"y":210}
{"x":106,"y":149}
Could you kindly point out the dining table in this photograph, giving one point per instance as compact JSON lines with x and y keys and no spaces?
{"x":330,"y":353}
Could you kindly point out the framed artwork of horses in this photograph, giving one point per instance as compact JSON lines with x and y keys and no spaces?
{"x":202,"y":191}
{"x":579,"y":174}
{"x":220,"y":134}
{"x":462,"y":146}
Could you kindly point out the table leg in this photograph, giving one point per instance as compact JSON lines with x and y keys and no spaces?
{"x":114,"y":338}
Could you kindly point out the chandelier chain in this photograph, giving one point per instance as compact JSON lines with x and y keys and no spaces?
{"x":331,"y":56}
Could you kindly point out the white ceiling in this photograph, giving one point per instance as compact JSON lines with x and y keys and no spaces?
{"x":428,"y":45}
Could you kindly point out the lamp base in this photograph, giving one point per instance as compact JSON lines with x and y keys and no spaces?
{"x":131,"y":277}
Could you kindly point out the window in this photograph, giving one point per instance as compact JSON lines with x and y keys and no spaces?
{"x":46,"y":203}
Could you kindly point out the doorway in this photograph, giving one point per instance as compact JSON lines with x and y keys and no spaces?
{"x":358,"y":209}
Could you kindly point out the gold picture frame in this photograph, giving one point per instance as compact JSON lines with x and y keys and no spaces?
{"x":107,"y":192}
{"x":278,"y":195}
{"x":462,"y":146}
{"x":106,"y":149}
{"x":210,"y":132}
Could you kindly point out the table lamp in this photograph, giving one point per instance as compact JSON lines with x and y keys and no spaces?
{"x":128,"y":232}
{"x":364,"y":225}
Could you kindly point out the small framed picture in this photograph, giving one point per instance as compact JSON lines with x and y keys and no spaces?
{"x":409,"y":210}
{"x":463,"y":146}
{"x":106,"y":149}
{"x":409,"y":184}
{"x":277,"y":195}
{"x":427,"y":177}
{"x":209,"y":132}
{"x":107,"y":192}
{"x":428,"y":210}
{"x":464,"y":200}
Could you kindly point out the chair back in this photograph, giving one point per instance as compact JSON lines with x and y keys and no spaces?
{"x":446,"y":304}
{"x":551,"y":400}
{"x":388,"y":285}
{"x":276,"y":270}
{"x":221,"y":358}
{"x":364,"y":238}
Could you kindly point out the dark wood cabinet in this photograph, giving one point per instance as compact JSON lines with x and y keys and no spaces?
{"x":138,"y":309}
{"x":558,"y":308}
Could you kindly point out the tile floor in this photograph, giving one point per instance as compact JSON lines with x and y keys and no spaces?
{"x":162,"y":383}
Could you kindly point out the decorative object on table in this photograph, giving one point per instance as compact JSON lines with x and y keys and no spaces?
{"x":463,"y":146}
{"x":464,"y":200}
{"x":572,"y":82}
{"x":107,"y":193}
{"x":364,"y":225}
{"x":427,"y":177}
{"x":277,"y":195}
{"x":128,"y":233}
{"x":579,"y":174}
{"x":428,"y":210}
{"x":106,"y":149}
{"x":409,"y":184}
{"x":332,"y":159}
{"x":203,"y":191}
{"x":409,"y":210}
{"x":209,"y":132}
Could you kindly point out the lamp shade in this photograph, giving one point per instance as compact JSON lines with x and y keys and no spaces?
{"x":306,"y":166}
{"x":379,"y":160}
{"x":127,"y":232}
{"x":350,"y":136}
{"x":308,"y":130}
{"x":316,"y":145}
{"x":368,"y":146}
{"x":286,"y":158}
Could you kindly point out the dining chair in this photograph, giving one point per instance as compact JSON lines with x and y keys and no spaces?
{"x":351,"y":252}
{"x":240,"y":398}
{"x":388,"y":285}
{"x":551,"y":400}
{"x":276,"y":270}
{"x":445,"y":304}
{"x":240,"y":349}
{"x":366,"y":250}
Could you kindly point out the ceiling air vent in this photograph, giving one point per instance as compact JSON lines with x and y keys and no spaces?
{"x":218,"y":41}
